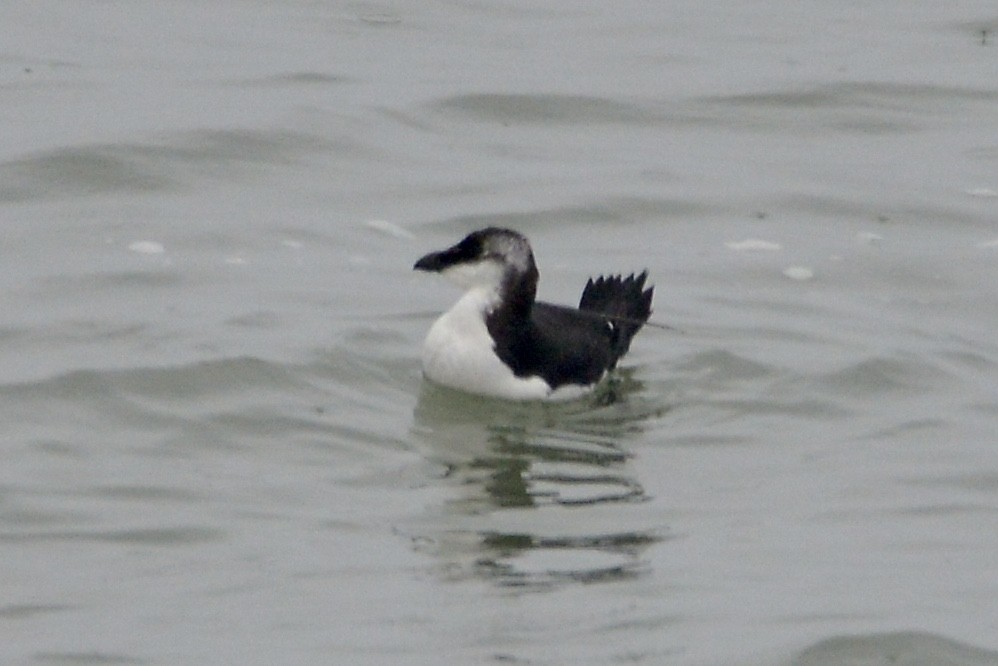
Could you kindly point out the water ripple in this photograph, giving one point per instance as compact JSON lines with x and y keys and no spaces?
{"x":148,"y":167}
{"x":897,"y":649}
{"x":515,"y":469}
{"x":165,"y":536}
{"x":546,"y":109}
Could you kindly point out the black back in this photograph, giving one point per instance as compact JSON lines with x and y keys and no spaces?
{"x":567,"y":346}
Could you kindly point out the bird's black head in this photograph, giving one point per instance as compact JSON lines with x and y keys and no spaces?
{"x":484,"y":258}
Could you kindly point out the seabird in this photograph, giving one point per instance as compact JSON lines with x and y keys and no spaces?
{"x":499,"y":341}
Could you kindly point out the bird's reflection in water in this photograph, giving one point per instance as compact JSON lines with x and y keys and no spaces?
{"x":540,"y":493}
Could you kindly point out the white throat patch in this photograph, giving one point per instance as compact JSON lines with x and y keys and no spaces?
{"x":486,"y":275}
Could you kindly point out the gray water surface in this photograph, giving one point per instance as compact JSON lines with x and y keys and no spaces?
{"x":216,"y":443}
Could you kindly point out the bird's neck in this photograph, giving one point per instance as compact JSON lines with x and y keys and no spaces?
{"x":517,"y":293}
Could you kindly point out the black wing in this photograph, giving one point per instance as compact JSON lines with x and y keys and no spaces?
{"x":624,"y":301}
{"x":568,"y":346}
{"x":561,"y":345}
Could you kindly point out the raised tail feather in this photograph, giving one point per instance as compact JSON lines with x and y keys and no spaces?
{"x":624,"y":302}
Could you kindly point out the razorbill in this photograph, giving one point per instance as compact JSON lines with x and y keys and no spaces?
{"x":499,"y":341}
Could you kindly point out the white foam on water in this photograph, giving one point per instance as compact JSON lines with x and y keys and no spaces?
{"x":753,"y":245}
{"x":389,"y":228}
{"x":147,"y":247}
{"x":798,"y":272}
{"x":869,"y":238}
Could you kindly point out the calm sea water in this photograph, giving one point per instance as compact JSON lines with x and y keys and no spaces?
{"x":216,"y":443}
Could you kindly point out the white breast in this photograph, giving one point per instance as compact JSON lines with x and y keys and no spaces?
{"x":460,"y":353}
